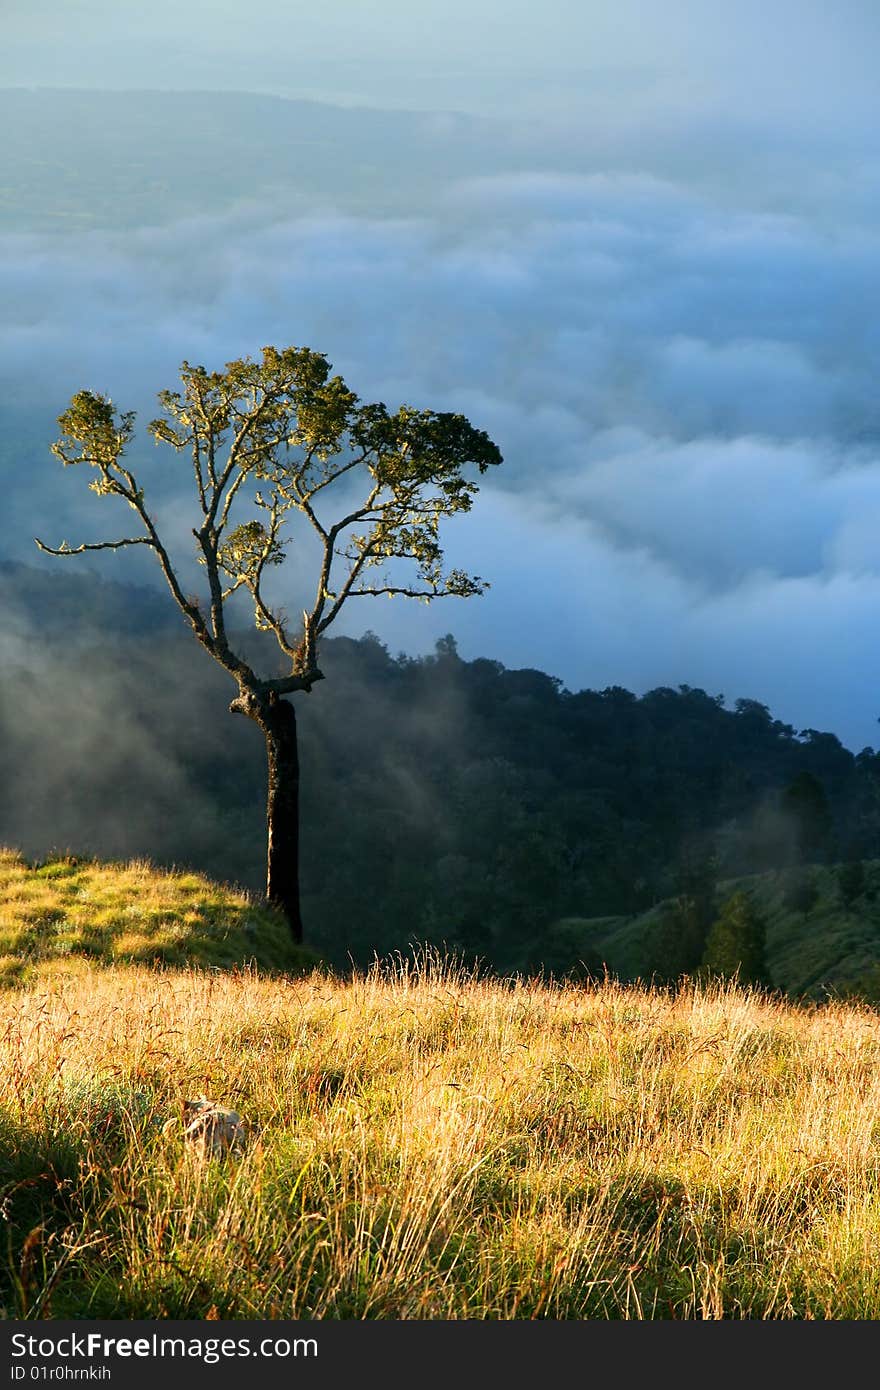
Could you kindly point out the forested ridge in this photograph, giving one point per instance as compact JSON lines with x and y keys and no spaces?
{"x":443,"y":799}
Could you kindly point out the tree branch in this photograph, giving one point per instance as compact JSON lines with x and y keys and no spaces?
{"x":65,"y":549}
{"x":197,"y":465}
{"x":330,"y":478}
{"x":270,"y":620}
{"x":208,"y":548}
{"x":286,"y":685}
{"x":407,"y":593}
{"x":330,"y":538}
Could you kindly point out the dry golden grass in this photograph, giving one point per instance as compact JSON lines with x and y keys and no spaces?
{"x":425,"y":1144}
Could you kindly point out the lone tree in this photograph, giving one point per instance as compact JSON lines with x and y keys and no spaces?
{"x":272,"y":442}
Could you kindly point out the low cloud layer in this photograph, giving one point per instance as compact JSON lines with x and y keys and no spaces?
{"x":684,"y":391}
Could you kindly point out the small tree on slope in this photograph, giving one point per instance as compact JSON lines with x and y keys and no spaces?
{"x":269,"y":442}
{"x":736,"y":942}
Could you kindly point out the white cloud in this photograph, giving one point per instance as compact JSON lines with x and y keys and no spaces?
{"x":685,"y":395}
{"x":566,"y":600}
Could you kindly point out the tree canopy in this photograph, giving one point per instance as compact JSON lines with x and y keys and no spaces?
{"x":269,"y":442}
{"x":269,"y":439}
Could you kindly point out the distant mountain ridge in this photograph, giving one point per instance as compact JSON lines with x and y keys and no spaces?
{"x":31,"y":597}
{"x":85,"y":159}
{"x":443,"y":800}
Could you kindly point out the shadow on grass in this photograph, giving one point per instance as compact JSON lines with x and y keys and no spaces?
{"x":66,"y":910}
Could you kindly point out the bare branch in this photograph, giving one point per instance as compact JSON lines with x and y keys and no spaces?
{"x":405,"y":592}
{"x":339,"y":600}
{"x":233,"y":588}
{"x":330,"y":478}
{"x":318,"y":624}
{"x":306,"y":509}
{"x":209,"y":551}
{"x":287,"y":685}
{"x":188,"y":608}
{"x":270,"y":621}
{"x":230,"y":496}
{"x":65,"y":549}
{"x":206,"y":424}
{"x":197,"y":466}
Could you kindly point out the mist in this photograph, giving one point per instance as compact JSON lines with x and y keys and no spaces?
{"x":798,"y":66}
{"x":643,"y":256}
{"x":684,"y":396}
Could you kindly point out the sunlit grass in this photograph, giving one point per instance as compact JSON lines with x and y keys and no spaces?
{"x":427,"y":1144}
{"x":72,"y":910}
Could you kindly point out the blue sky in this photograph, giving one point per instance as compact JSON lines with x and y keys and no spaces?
{"x":675,"y":346}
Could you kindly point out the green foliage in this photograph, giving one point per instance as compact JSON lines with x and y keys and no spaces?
{"x":806,"y":803}
{"x":851,"y":880}
{"x":566,"y":950}
{"x":806,"y":955}
{"x":93,"y":433}
{"x":735,"y":946}
{"x":685,"y":920}
{"x":266,"y":439}
{"x":863,"y":987}
{"x":801,"y":891}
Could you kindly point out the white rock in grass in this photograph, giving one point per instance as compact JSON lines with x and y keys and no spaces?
{"x":213,"y":1130}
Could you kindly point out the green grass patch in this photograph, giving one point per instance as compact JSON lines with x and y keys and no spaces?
{"x":57,"y":914}
{"x":817,"y":941}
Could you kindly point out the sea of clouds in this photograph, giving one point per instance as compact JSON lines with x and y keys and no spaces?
{"x":684,"y":388}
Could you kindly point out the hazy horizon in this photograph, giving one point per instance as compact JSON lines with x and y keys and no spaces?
{"x":462,"y":54}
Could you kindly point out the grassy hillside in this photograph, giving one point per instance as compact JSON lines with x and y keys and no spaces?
{"x":422,"y":1142}
{"x":816,"y":940}
{"x":66,"y":911}
{"x":425,"y":1144}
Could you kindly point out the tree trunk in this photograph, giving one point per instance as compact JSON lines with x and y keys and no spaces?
{"x":282,"y":814}
{"x":277,"y":719}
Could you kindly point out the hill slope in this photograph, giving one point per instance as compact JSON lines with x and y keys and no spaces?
{"x":445,"y":800}
{"x":819,"y":938}
{"x":64,"y":912}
